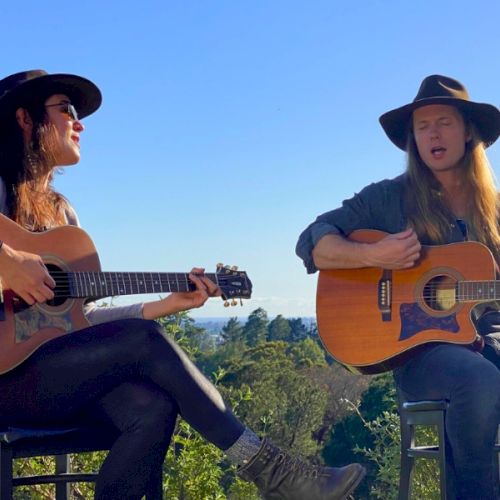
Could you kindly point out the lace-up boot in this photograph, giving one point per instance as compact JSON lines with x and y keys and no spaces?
{"x":279,"y":476}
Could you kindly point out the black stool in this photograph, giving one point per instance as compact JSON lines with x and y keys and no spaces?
{"x":413,"y":413}
{"x":23,"y":443}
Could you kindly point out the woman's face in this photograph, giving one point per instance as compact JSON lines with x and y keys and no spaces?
{"x":67,"y":129}
{"x":440,"y":135}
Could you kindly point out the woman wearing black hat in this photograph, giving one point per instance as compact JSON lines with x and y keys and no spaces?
{"x":447,"y":194}
{"x":122,"y":370}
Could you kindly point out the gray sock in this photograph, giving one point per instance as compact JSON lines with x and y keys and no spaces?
{"x":244,"y":448}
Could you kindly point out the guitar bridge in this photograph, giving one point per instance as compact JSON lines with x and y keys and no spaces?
{"x":385,"y":295}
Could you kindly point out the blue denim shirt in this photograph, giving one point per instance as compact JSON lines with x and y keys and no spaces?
{"x":378,"y":206}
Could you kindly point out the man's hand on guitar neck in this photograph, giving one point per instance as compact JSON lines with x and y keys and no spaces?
{"x":393,"y":251}
{"x":26,"y":275}
{"x":183,"y":301}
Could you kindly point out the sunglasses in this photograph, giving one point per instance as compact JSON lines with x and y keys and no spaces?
{"x":67,"y":108}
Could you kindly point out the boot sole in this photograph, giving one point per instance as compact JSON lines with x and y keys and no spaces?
{"x":354,"y":484}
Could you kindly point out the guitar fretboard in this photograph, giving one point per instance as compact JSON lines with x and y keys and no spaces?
{"x":107,"y":284}
{"x":474,"y":291}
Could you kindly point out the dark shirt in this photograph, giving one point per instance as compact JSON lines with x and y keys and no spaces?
{"x":377,"y":206}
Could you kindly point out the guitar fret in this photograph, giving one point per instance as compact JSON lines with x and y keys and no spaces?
{"x":481,"y":291}
{"x":107,"y":284}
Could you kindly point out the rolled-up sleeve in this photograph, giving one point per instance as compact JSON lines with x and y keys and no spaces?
{"x":377,"y":206}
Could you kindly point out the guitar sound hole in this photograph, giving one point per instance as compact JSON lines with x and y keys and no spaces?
{"x":61,"y":289}
{"x":440,"y":293}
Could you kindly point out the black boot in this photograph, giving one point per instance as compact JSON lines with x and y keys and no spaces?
{"x":278,"y":476}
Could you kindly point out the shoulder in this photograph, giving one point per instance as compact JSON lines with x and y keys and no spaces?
{"x":71,"y":215}
{"x":385,"y":188}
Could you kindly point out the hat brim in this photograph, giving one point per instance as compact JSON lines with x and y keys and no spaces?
{"x":84,"y":95}
{"x":486,"y":117}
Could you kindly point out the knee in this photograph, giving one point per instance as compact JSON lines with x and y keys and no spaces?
{"x":143,"y":335}
{"x":151,"y":411}
{"x":479,"y":388}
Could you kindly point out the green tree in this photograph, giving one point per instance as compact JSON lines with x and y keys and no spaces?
{"x":255,"y":329}
{"x":278,"y":329}
{"x":298,"y":331}
{"x":285,"y":405}
{"x":193,"y":339}
{"x":232,"y":332}
{"x":307,"y":353}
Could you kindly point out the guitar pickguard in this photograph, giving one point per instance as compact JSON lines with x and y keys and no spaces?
{"x":414,"y":320}
{"x":29,"y":321}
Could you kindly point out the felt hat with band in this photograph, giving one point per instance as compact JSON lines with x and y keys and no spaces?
{"x":437,"y":89}
{"x":27,"y":86}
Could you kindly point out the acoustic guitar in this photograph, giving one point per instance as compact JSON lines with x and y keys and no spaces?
{"x":73,"y":262}
{"x":371,"y":320}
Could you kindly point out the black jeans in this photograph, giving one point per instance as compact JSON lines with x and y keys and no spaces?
{"x":127,"y":373}
{"x":471,"y":384}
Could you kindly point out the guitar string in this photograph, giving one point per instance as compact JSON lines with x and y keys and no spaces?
{"x":89,"y":282}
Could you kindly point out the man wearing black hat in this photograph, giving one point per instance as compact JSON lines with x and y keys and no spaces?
{"x":447,"y":194}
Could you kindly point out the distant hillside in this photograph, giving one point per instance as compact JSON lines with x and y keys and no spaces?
{"x":214,"y":325}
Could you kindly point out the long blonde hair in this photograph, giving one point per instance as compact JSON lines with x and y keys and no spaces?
{"x":426,"y":209}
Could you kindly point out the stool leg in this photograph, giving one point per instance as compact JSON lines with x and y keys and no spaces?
{"x":442,"y":456}
{"x":497,"y":453}
{"x":407,"y":462}
{"x":6,"y":462}
{"x":62,"y":467}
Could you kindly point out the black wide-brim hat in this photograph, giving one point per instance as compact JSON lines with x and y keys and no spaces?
{"x":437,"y":89}
{"x":28,"y":86}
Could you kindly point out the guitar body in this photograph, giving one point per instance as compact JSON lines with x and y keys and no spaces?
{"x":71,"y":259}
{"x":371,"y":320}
{"x":18,"y":322}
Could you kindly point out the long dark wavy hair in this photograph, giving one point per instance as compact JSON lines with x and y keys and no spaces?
{"x":27,"y":170}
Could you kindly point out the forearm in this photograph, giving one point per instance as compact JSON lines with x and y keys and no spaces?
{"x":336,"y":252}
{"x":164,"y":307}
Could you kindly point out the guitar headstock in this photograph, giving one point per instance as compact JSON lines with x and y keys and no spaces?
{"x":233,"y":283}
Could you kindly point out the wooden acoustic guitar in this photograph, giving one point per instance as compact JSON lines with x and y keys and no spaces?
{"x":72,"y":261}
{"x":371,"y":320}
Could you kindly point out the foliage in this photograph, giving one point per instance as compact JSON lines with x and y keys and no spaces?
{"x":384,"y":453}
{"x":255,"y":329}
{"x":86,"y":462}
{"x":189,"y":466}
{"x":279,"y":329}
{"x":232,"y":332}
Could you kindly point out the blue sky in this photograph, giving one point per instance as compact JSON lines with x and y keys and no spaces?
{"x":227,"y":126}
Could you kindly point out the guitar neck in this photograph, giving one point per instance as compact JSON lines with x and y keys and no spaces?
{"x":107,"y":284}
{"x":478,"y":291}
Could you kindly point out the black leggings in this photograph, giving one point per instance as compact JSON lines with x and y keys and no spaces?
{"x":129,"y":373}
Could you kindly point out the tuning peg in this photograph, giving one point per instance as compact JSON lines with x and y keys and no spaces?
{"x":234,"y":302}
{"x":234,"y":268}
{"x":226,"y":303}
